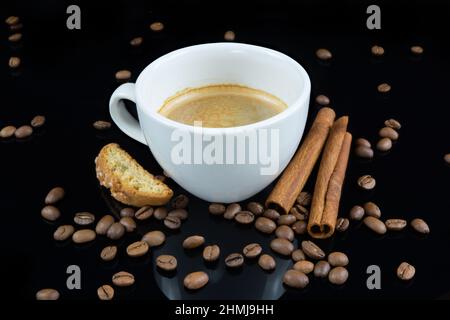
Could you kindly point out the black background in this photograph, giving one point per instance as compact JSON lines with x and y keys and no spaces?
{"x":69,"y":76}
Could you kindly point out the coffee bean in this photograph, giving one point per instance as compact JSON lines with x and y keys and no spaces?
{"x":12,"y":20}
{"x":157,"y":26}
{"x":128,"y":223}
{"x":211,"y":253}
{"x":384,"y":144}
{"x":304,"y":199}
{"x":105,"y":292}
{"x":50,"y":213}
{"x":304,"y":266}
{"x":420,"y":226}
{"x":104,"y":224}
{"x":101,"y":125}
{"x":323,"y":54}
{"x":180,"y":202}
{"x":123,"y":279}
{"x":181,"y":214}
{"x":338,"y":275}
{"x":267,"y":262}
{"x":342,"y":224}
{"x":375,"y":225}
{"x":384,"y":88}
{"x":265,"y":225}
{"x":298,"y":255}
{"x":285,"y":232}
{"x":321,"y":269}
{"x":322,"y":100}
{"x":137,"y":249}
{"x":299,"y":212}
{"x":216,"y":209}
{"x":54,"y":195}
{"x":83,"y":236}
{"x":166,"y":262}
{"x":446,"y":157}
{"x":395,"y":224}
{"x":144,"y":213}
{"x":136,"y":42}
{"x":256,"y":208}
{"x":116,"y":231}
{"x":16,"y":27}
{"x":154,"y":238}
{"x":160,"y":213}
{"x":405,"y":271}
{"x":295,"y":279}
{"x":83,"y":218}
{"x":123,"y":75}
{"x":47,"y":294}
{"x":271,"y":214}
{"x":231,"y":211}
{"x":299,"y":227}
{"x":377,"y":50}
{"x":286,"y":219}
{"x":252,"y":250}
{"x":196,"y":280}
{"x":234,"y":260}
{"x":127,"y":212}
{"x":356,"y":213}
{"x":108,"y":253}
{"x":417,"y":50}
{"x":366,"y":182}
{"x":371,"y":209}
{"x":392,"y":123}
{"x":23,"y":132}
{"x":229,"y":35}
{"x":282,"y":246}
{"x":193,"y":242}
{"x":7,"y":132}
{"x":244,"y":217}
{"x":388,"y":132}
{"x":364,"y":152}
{"x":14,"y":62}
{"x":312,"y":250}
{"x":338,"y":259}
{"x":363,"y":142}
{"x":37,"y":121}
{"x":172,"y":222}
{"x":63,"y":232}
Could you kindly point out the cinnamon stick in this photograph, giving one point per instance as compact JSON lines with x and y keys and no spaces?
{"x":293,"y":180}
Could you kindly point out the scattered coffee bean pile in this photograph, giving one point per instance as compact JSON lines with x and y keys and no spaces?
{"x":23,"y":131}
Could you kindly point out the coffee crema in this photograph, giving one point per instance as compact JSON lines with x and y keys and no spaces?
{"x":221,"y":106}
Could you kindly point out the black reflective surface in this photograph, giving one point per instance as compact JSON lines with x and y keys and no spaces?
{"x":69,"y":76}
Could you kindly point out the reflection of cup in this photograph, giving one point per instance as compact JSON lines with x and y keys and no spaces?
{"x":216,"y":63}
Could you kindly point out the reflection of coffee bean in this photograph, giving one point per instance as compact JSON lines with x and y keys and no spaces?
{"x":375,"y":225}
{"x":395,"y":224}
{"x":265,"y":225}
{"x":54,"y":195}
{"x":63,"y":232}
{"x":405,"y":271}
{"x":179,"y":202}
{"x":298,"y":255}
{"x":196,"y":280}
{"x":392,"y":123}
{"x":160,"y":213}
{"x":137,"y":249}
{"x":83,"y":236}
{"x":166,"y":262}
{"x":108,"y":253}
{"x":338,"y":275}
{"x":304,"y":266}
{"x":128,"y":223}
{"x":181,"y":214}
{"x":295,"y":279}
{"x":371,"y":209}
{"x":366,"y":182}
{"x":47,"y":294}
{"x":321,"y":269}
{"x":144,"y":213}
{"x":271,"y":214}
{"x":211,"y":253}
{"x":252,"y":250}
{"x":231,"y":211}
{"x":323,"y":54}
{"x":338,"y":259}
{"x":104,"y":224}
{"x":285,"y":232}
{"x":342,"y":224}
{"x":312,"y":250}
{"x":105,"y":292}
{"x":83,"y":218}
{"x":193,"y":242}
{"x":37,"y":121}
{"x":50,"y":213}
{"x":282,"y":246}
{"x":304,"y":198}
{"x":299,"y":227}
{"x":256,"y":208}
{"x":388,"y":132}
{"x":244,"y":217}
{"x":23,"y":132}
{"x":172,"y":222}
{"x":420,"y":226}
{"x":234,"y":260}
{"x":116,"y":231}
{"x":356,"y":213}
{"x":286,"y":219}
{"x":216,"y":209}
{"x":267,"y":262}
{"x":101,"y":125}
{"x":123,"y":279}
{"x":154,"y":238}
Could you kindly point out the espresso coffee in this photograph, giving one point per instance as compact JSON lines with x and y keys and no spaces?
{"x":221,"y":106}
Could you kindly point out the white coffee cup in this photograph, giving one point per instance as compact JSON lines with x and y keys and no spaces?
{"x":206,"y":64}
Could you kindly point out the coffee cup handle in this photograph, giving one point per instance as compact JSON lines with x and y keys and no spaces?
{"x":120,"y":115}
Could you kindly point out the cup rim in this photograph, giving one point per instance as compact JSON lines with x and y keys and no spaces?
{"x":298,"y":103}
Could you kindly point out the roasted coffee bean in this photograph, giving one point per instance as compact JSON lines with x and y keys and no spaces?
{"x":322,"y":100}
{"x":160,"y":213}
{"x":252,"y":250}
{"x":193,"y":242}
{"x":267,"y":262}
{"x":166,"y":262}
{"x":50,"y":213}
{"x":298,"y":255}
{"x":172,"y":222}
{"x":338,"y":259}
{"x":101,"y":125}
{"x":63,"y":232}
{"x":105,"y":292}
{"x":136,"y":42}
{"x":232,"y":210}
{"x":256,"y":208}
{"x":216,"y":209}
{"x":108,"y":253}
{"x":196,"y":280}
{"x":12,"y":20}
{"x":265,"y":225}
{"x":154,"y":238}
{"x":84,"y":218}
{"x":388,"y":132}
{"x":137,"y":249}
{"x":384,"y":88}
{"x":342,"y":224}
{"x":312,"y":250}
{"x":181,"y":214}
{"x":395,"y":224}
{"x":304,"y":199}
{"x":54,"y":195}
{"x":338,"y":275}
{"x":104,"y":224}
{"x":375,"y":225}
{"x":364,"y":152}
{"x":244,"y":217}
{"x":371,"y":209}
{"x":405,"y":271}
{"x":356,"y":213}
{"x":323,"y":54}
{"x":127,"y":212}
{"x":144,"y":213}
{"x":123,"y":279}
{"x":363,"y":142}
{"x":304,"y":266}
{"x":392,"y":123}
{"x":14,"y":62}
{"x":417,"y":50}
{"x":7,"y":132}
{"x":234,"y":260}
{"x":282,"y":246}
{"x":299,"y":227}
{"x":295,"y":279}
{"x":271,"y":214}
{"x":211,"y":253}
{"x":157,"y":26}
{"x":285,"y":232}
{"x":47,"y":294}
{"x":286,"y":219}
{"x":321,"y":269}
{"x":299,"y":212}
{"x":23,"y":132}
{"x":377,"y":50}
{"x":123,"y":75}
{"x":128,"y":223}
{"x":83,"y":236}
{"x":447,"y":158}
{"x":420,"y":226}
{"x":181,"y":201}
{"x":116,"y":231}
{"x":229,"y":35}
{"x":366,"y":182}
{"x":37,"y":121}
